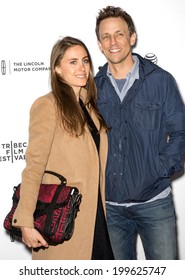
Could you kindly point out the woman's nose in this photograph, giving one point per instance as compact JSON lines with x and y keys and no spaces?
{"x":82,"y":66}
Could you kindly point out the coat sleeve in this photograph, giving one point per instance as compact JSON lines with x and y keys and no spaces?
{"x":41,"y":132}
{"x":172,"y":155}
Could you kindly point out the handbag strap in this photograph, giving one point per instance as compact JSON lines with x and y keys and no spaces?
{"x":61,"y":178}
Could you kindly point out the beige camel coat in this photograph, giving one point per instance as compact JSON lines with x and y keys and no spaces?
{"x":76,"y":158}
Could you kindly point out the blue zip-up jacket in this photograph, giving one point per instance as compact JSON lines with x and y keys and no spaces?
{"x":147,"y":139}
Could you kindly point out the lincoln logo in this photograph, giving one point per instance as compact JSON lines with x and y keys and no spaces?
{"x":3,"y":67}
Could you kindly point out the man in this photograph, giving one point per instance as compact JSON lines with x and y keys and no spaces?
{"x":142,"y":105}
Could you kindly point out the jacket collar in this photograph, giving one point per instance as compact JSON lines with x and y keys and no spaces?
{"x":145,"y":67}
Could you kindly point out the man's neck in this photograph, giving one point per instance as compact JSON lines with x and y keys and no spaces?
{"x":120,"y":70}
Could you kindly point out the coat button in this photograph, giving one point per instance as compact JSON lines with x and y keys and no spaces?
{"x":15,"y":221}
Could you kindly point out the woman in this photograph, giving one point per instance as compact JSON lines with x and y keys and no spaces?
{"x":67,"y":135}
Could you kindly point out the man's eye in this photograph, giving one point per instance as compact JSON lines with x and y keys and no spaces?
{"x":105,"y":37}
{"x":119,"y":34}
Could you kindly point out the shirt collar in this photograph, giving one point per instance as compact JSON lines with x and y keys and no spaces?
{"x":134,"y":72}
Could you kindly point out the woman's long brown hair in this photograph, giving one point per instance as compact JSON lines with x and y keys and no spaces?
{"x":72,"y":116}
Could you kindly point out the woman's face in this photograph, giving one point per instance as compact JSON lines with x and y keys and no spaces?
{"x":74,"y":67}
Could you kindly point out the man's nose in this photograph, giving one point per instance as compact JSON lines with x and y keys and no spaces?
{"x":113,"y":40}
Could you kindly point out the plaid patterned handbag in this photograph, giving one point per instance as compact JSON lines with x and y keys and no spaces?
{"x":55,"y":213}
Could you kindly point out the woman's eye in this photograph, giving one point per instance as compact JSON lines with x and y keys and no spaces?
{"x":73,"y":62}
{"x":86,"y":61}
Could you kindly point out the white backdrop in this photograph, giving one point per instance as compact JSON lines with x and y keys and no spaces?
{"x":28,"y":32}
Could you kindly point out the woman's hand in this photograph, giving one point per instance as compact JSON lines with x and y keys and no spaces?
{"x":32,"y":238}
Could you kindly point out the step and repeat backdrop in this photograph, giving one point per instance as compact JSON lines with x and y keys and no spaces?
{"x":28,"y":31}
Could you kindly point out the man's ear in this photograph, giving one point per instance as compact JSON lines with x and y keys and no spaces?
{"x":133,"y":39}
{"x":100,"y":46}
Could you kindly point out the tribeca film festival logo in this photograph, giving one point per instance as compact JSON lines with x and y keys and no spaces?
{"x":7,"y":67}
{"x":12,"y":151}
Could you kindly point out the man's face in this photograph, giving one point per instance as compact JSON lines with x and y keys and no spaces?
{"x":115,"y":41}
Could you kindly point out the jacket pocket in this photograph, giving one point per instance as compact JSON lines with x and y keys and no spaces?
{"x":147,"y":115}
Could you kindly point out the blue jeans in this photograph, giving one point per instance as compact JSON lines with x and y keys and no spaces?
{"x":155,"y":222}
